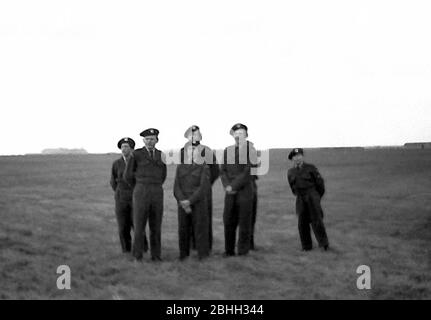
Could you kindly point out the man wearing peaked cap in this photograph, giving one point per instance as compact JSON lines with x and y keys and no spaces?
{"x":294,"y":152}
{"x":308,"y":187}
{"x":238,"y":183}
{"x":128,"y":141}
{"x":206,"y":155}
{"x":123,"y":195}
{"x":238,"y":126}
{"x":147,"y":171}
{"x":150,"y":132}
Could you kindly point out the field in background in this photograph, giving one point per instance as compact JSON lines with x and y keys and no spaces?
{"x":57,"y":210}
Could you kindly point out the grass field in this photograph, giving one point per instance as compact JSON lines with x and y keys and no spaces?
{"x":57,"y":210}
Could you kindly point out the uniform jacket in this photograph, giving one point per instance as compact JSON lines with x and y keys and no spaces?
{"x":142,"y":168}
{"x":192,"y":182}
{"x":237,"y":162}
{"x":210,"y":160}
{"x":305,"y":178}
{"x":117,"y":179}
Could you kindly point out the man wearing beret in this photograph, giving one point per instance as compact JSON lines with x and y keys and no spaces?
{"x":123,"y":195}
{"x":147,"y":172}
{"x":238,"y":183}
{"x":308,"y":186}
{"x":206,"y":155}
{"x":192,"y":181}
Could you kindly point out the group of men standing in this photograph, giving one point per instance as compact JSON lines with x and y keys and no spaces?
{"x":138,"y":176}
{"x":137,"y":179}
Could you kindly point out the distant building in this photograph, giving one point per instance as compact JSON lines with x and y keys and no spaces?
{"x":417,"y":145}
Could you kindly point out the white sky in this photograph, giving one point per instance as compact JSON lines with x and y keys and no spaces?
{"x":298,"y":73}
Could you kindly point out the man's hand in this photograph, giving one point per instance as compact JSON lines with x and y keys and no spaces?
{"x":229,"y":190}
{"x":185,"y":204}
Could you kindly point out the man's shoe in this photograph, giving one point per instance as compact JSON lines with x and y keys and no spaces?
{"x":137,"y":261}
{"x":156,"y":259}
{"x":326,"y":247}
{"x":227,"y":255}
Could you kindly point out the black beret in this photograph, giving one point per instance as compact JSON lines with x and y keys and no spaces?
{"x":149,"y":132}
{"x":237,"y":127}
{"x":126,"y":140}
{"x":294,"y":152}
{"x":190,"y":130}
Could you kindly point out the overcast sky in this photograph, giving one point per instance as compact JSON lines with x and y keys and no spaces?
{"x":298,"y":73}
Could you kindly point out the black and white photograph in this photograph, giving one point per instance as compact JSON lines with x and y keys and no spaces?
{"x":232,"y":152}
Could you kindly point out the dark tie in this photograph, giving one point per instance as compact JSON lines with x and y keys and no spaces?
{"x":152,"y":154}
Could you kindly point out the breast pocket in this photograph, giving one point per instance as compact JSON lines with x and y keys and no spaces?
{"x":306,"y":176}
{"x":146,"y":161}
{"x":196,"y":177}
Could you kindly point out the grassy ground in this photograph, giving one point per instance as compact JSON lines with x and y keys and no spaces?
{"x":58,"y":210}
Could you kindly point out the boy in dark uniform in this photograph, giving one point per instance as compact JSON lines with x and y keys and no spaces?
{"x":237,"y":180}
{"x":194,"y":137}
{"x":308,"y":186}
{"x":123,"y":195}
{"x":192,"y":182}
{"x":147,"y":172}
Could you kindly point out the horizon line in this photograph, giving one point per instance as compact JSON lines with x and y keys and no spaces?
{"x":178,"y":149}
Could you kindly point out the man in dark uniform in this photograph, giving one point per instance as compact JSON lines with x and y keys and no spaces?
{"x":237,"y":180}
{"x":308,"y":186}
{"x":192,"y":181}
{"x":254,"y":214}
{"x":147,"y":172}
{"x":123,"y":195}
{"x":205,"y":154}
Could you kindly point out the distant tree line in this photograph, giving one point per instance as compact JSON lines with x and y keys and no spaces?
{"x":64,"y":151}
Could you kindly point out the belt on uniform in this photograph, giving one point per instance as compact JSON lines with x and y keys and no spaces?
{"x":303,"y":192}
{"x":124,"y":187}
{"x":146,"y":183}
